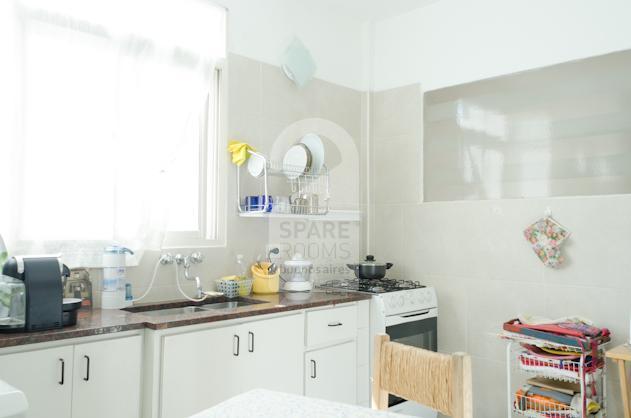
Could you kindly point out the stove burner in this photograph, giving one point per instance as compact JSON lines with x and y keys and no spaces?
{"x":372,"y":286}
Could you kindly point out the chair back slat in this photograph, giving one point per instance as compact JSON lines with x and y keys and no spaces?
{"x":439,"y":381}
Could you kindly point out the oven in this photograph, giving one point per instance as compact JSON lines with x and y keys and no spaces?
{"x":418,"y":329}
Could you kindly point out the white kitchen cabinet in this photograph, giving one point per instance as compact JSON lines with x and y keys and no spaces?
{"x":53,"y":379}
{"x":202,"y":368}
{"x":331,"y":373}
{"x":273,"y":354}
{"x":199,"y":369}
{"x":45,"y":377}
{"x":106,"y":379}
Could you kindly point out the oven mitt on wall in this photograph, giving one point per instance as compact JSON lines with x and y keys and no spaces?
{"x":546,"y":236}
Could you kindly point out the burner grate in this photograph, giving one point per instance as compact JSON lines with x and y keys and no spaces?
{"x":372,"y":286}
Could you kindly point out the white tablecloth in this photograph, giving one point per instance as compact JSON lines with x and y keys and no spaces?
{"x":261,"y":403}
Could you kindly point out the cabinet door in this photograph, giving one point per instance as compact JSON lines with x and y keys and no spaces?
{"x":199,"y":370}
{"x":45,"y":377}
{"x":106,"y":380}
{"x":330,"y":373}
{"x":273,"y":353}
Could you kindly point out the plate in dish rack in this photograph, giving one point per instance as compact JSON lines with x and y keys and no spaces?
{"x":297,"y":161}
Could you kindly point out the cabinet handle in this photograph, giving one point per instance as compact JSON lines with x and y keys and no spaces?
{"x":87,"y":368}
{"x":335,"y":324}
{"x":235,"y":346}
{"x":63,"y":371}
{"x":250,"y":341}
{"x":313,"y":369}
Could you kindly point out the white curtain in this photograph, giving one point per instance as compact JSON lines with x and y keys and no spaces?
{"x":101,"y":101}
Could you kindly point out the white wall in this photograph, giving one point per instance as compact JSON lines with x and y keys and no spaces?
{"x":261,"y":30}
{"x":455,"y":41}
{"x":474,"y":252}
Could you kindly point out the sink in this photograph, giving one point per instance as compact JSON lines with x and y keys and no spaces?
{"x":185,"y":307}
{"x":231,"y":304}
{"x":175,"y":311}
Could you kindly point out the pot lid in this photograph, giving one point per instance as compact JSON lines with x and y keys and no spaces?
{"x":370,"y":261}
{"x":298,"y":261}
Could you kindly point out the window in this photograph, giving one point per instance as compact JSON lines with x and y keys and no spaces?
{"x":115,"y":122}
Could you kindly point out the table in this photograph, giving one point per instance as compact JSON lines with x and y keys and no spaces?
{"x":621,"y":354}
{"x":261,"y":403}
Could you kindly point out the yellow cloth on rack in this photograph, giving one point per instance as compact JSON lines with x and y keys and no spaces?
{"x":239,"y":151}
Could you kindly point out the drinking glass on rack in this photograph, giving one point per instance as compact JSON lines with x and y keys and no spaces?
{"x":281,"y":204}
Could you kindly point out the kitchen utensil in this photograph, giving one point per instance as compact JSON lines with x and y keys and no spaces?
{"x":316,"y":148}
{"x":272,"y":267}
{"x":297,"y":273}
{"x":264,"y":283}
{"x":297,"y":161}
{"x":274,"y":250}
{"x":258,"y":262}
{"x":370,"y":269}
{"x":298,"y":204}
{"x":311,"y":204}
{"x":256,"y":165}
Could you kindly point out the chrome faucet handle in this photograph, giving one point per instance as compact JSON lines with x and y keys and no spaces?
{"x":179,"y":259}
{"x":166,"y":259}
{"x":196,"y":257}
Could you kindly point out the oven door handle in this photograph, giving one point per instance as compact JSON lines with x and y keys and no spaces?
{"x":411,"y":317}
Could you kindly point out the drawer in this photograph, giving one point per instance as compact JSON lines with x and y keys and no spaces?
{"x":330,"y":325}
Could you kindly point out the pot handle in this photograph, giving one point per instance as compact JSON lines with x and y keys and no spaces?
{"x":389,"y":265}
{"x":353,"y":266}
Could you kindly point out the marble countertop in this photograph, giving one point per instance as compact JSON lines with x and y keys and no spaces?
{"x":261,"y":403}
{"x":102,"y":321}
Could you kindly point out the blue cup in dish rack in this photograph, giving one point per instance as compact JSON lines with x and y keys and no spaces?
{"x":256,"y":203}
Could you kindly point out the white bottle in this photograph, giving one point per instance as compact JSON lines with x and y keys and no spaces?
{"x":114,"y":272}
{"x":242,"y":270}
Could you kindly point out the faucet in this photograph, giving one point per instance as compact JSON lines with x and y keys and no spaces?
{"x":194,"y":258}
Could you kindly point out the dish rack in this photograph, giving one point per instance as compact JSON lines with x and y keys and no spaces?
{"x":588,"y":371}
{"x":302,"y":187}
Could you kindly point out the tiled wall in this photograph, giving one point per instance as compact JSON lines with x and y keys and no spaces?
{"x":263,"y":107}
{"x":474,"y":254}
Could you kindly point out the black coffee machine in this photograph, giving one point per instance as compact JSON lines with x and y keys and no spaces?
{"x":33,"y":287}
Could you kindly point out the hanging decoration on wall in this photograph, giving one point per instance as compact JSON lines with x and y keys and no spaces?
{"x":546,"y":236}
{"x":298,"y":64}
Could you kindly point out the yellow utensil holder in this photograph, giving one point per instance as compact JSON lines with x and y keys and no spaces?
{"x":265,"y":283}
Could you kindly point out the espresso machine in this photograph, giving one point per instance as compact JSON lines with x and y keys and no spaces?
{"x":31,"y":294}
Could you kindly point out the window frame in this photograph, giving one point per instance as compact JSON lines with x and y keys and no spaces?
{"x":212,"y":185}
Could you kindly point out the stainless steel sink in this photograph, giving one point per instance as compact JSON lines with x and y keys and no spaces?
{"x":232,"y":304}
{"x":188,"y":308}
{"x":175,"y":311}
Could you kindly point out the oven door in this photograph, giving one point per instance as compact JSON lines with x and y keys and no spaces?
{"x":418,"y":329}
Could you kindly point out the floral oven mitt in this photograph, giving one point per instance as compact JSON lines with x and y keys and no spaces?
{"x":546,"y":236}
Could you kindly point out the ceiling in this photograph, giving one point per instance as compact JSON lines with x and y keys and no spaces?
{"x":367,"y":10}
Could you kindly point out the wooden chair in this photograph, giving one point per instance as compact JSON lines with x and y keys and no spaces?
{"x":439,"y":381}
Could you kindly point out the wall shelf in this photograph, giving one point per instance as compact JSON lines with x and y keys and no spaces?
{"x":332,"y":215}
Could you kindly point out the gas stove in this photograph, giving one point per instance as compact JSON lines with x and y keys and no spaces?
{"x":372,"y":286}
{"x":407,"y":311}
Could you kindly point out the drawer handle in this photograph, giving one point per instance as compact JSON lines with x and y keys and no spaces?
{"x":87,"y":369}
{"x":313,"y":369}
{"x":250,"y":341}
{"x":235,"y":345}
{"x":335,"y":324}
{"x":63,"y":371}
